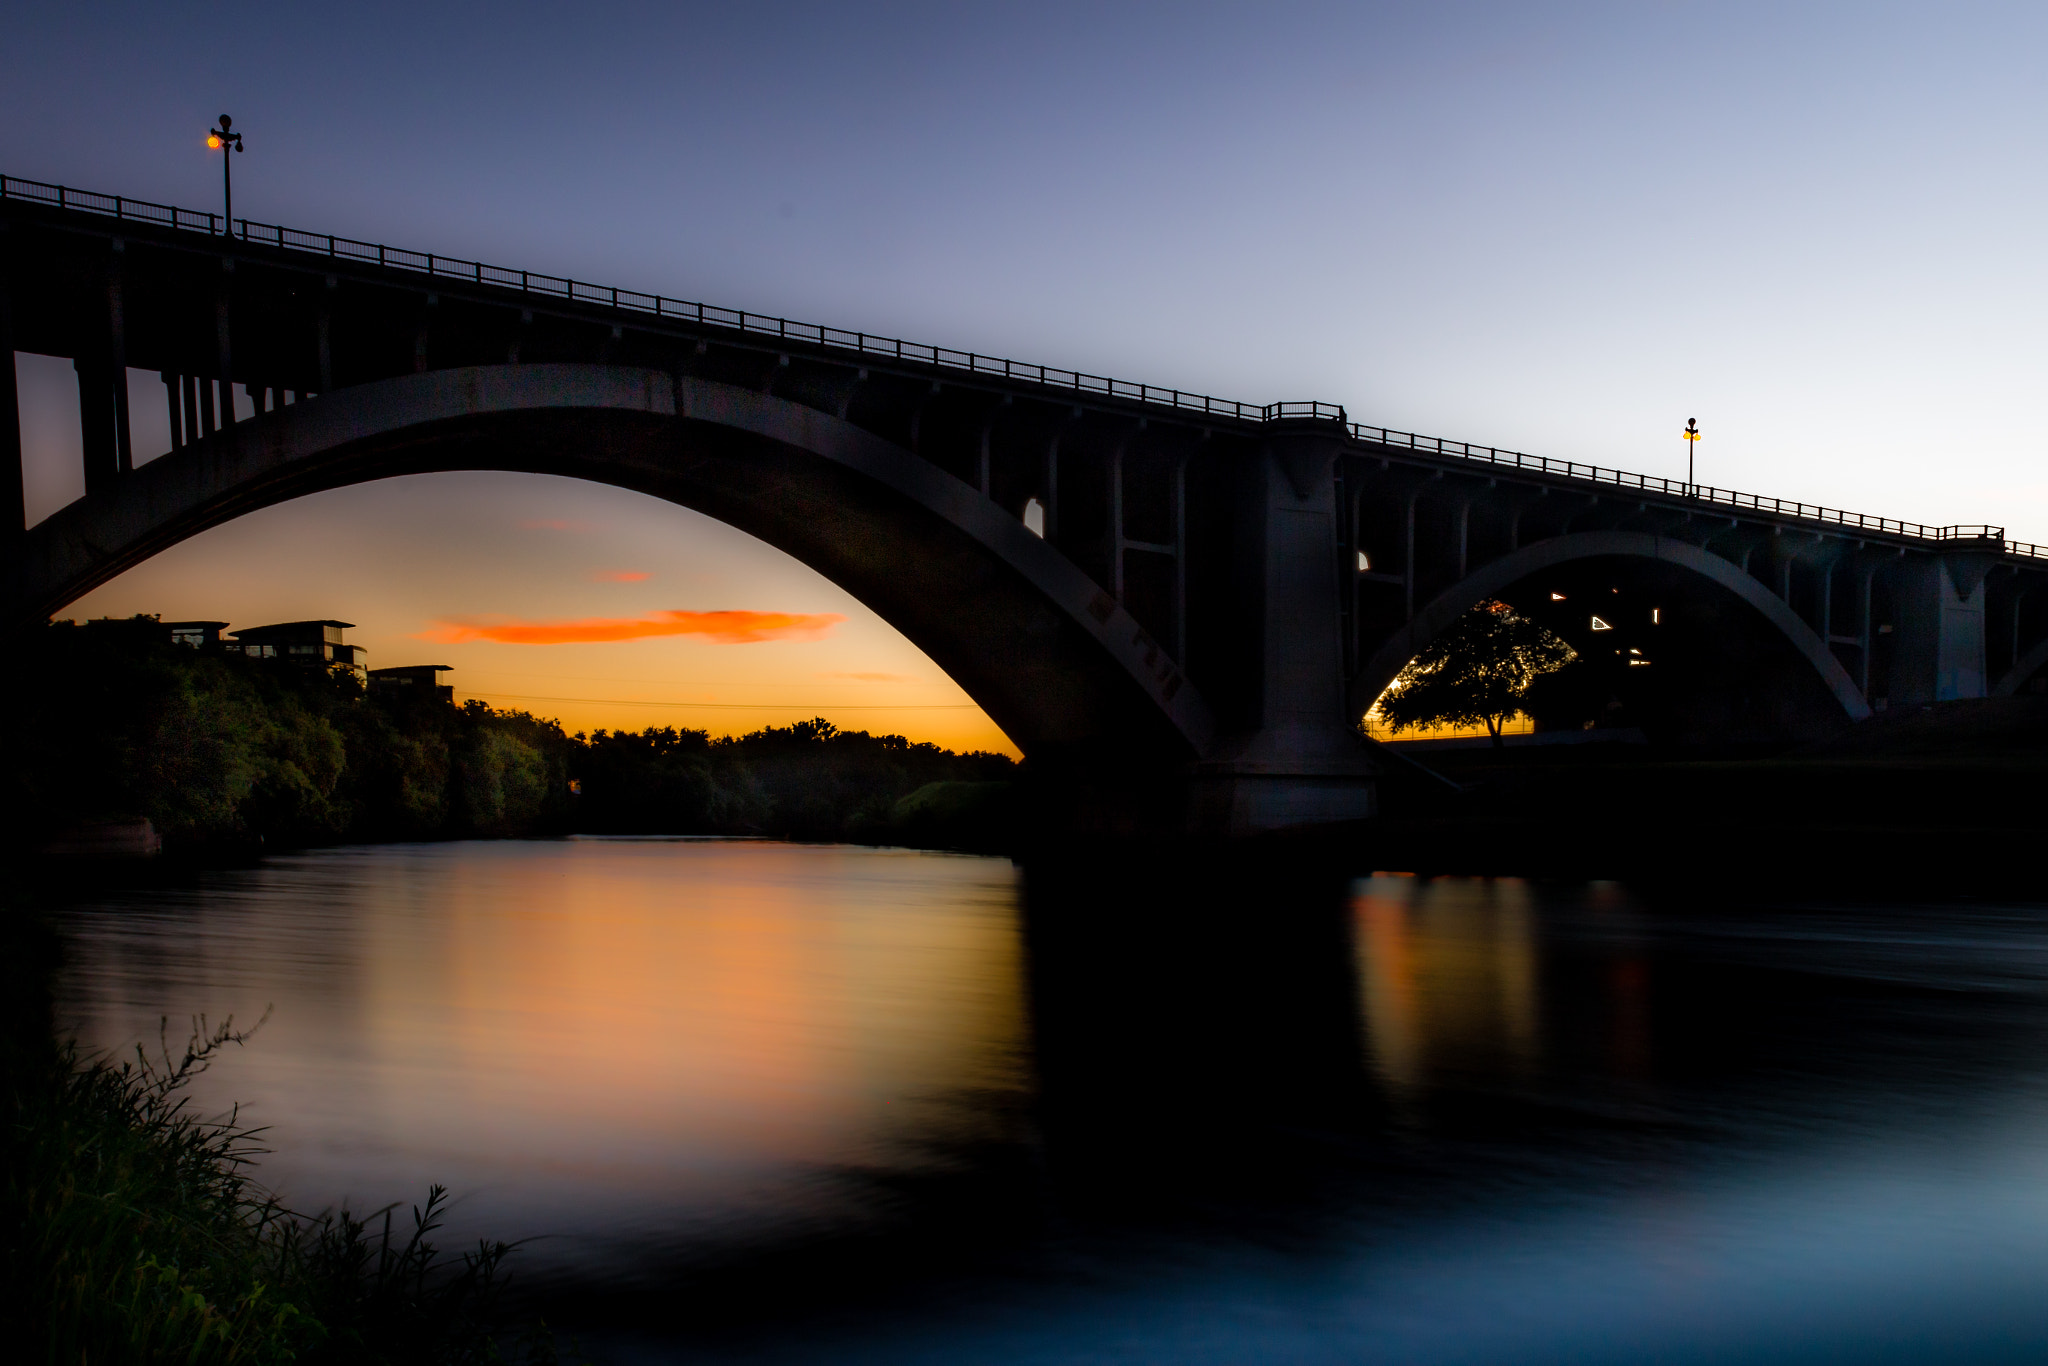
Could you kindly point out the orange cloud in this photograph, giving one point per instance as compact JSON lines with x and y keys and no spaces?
{"x":554,"y":524}
{"x":723,"y":628}
{"x":619,"y":576}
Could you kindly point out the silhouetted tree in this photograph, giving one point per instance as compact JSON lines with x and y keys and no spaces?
{"x":1476,"y":673}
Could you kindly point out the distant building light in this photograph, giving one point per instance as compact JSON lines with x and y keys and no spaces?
{"x":1634,"y":662}
{"x":1656,"y":616}
{"x":1600,"y":625}
{"x":1364,"y":562}
{"x":1557,"y":597}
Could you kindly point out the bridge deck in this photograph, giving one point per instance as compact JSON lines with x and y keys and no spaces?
{"x":327,"y":251}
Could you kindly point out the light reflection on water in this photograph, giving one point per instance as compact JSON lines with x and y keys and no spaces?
{"x":584,"y":1039}
{"x":795,"y":1103}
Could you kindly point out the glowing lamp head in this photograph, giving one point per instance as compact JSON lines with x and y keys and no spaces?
{"x":213,"y":141}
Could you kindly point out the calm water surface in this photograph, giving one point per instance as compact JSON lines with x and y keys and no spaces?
{"x":764,"y":1102}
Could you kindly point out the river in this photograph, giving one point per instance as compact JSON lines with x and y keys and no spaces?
{"x":751,"y":1101}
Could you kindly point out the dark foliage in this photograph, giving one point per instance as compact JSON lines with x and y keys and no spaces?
{"x":223,"y":752}
{"x":810,"y":779}
{"x":1479,"y":672}
{"x":219,"y":749}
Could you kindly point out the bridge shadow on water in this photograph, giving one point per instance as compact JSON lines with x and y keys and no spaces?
{"x":1263,"y":1096}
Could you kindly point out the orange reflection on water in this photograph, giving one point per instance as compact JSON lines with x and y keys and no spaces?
{"x":623,"y":1000}
{"x":1447,"y":973}
{"x":676,"y":1029}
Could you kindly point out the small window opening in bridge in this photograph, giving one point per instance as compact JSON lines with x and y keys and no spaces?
{"x":1600,"y":625}
{"x":1364,"y":562}
{"x":1557,"y":597}
{"x":1034,"y":518}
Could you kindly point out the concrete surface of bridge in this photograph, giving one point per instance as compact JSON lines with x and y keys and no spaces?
{"x":1177,"y":606}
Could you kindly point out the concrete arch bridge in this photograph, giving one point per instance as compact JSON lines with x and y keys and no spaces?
{"x":1178,"y":606}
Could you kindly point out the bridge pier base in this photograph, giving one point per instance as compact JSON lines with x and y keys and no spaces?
{"x":1241,"y":803}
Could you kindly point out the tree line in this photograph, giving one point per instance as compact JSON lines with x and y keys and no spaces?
{"x":221,"y":751}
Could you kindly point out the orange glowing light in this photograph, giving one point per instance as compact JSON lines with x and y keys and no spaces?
{"x":723,"y":628}
{"x":213,"y":141}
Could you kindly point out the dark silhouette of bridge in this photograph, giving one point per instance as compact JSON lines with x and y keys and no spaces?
{"x":1181,"y":605}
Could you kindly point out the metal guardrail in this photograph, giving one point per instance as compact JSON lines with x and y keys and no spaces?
{"x":892,"y":348}
{"x":654,"y":305}
{"x":1703,"y":493}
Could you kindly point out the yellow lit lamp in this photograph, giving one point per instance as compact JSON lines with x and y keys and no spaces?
{"x":217,"y":139}
{"x":1692,"y":436}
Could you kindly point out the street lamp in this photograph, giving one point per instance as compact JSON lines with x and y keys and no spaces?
{"x":1692,"y":443}
{"x":227,"y":143}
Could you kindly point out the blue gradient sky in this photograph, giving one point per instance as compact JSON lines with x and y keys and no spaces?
{"x":1565,"y":229}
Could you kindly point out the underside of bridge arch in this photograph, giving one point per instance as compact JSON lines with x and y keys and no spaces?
{"x":1053,"y":659}
{"x":2024,"y":674}
{"x":1672,"y":638}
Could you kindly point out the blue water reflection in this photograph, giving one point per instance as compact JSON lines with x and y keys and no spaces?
{"x":778,"y":1103}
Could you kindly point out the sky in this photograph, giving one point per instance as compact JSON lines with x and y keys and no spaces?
{"x":1563,"y":229}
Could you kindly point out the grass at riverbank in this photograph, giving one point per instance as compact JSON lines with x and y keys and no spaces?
{"x":134,"y":1230}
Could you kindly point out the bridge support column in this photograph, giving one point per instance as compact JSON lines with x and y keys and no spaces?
{"x":1939,"y":651}
{"x":1294,"y":757}
{"x":13,"y":501}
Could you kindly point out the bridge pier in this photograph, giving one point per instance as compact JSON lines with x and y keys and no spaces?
{"x":13,"y":510}
{"x":1288,"y":754}
{"x":1938,"y":650}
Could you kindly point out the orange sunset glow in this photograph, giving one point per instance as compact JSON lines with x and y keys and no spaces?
{"x":727,"y":628}
{"x":639,"y":603}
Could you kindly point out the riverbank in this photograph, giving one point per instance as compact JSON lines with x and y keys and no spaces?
{"x":1950,"y":794}
{"x":136,"y":1230}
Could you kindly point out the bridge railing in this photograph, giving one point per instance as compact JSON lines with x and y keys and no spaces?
{"x":654,"y":305}
{"x":1702,"y":493}
{"x":893,"y":348}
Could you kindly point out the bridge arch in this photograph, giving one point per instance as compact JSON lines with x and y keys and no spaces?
{"x":1499,"y":577}
{"x":2024,"y":668}
{"x":1054,"y":660}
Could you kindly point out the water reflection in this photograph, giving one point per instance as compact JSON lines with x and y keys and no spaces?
{"x":605,"y":1040}
{"x":1187,"y":1020}
{"x":800,"y":1104}
{"x":1448,"y":974}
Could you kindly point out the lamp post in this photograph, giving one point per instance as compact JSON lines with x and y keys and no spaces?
{"x":1692,"y":443}
{"x":228,"y":143}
